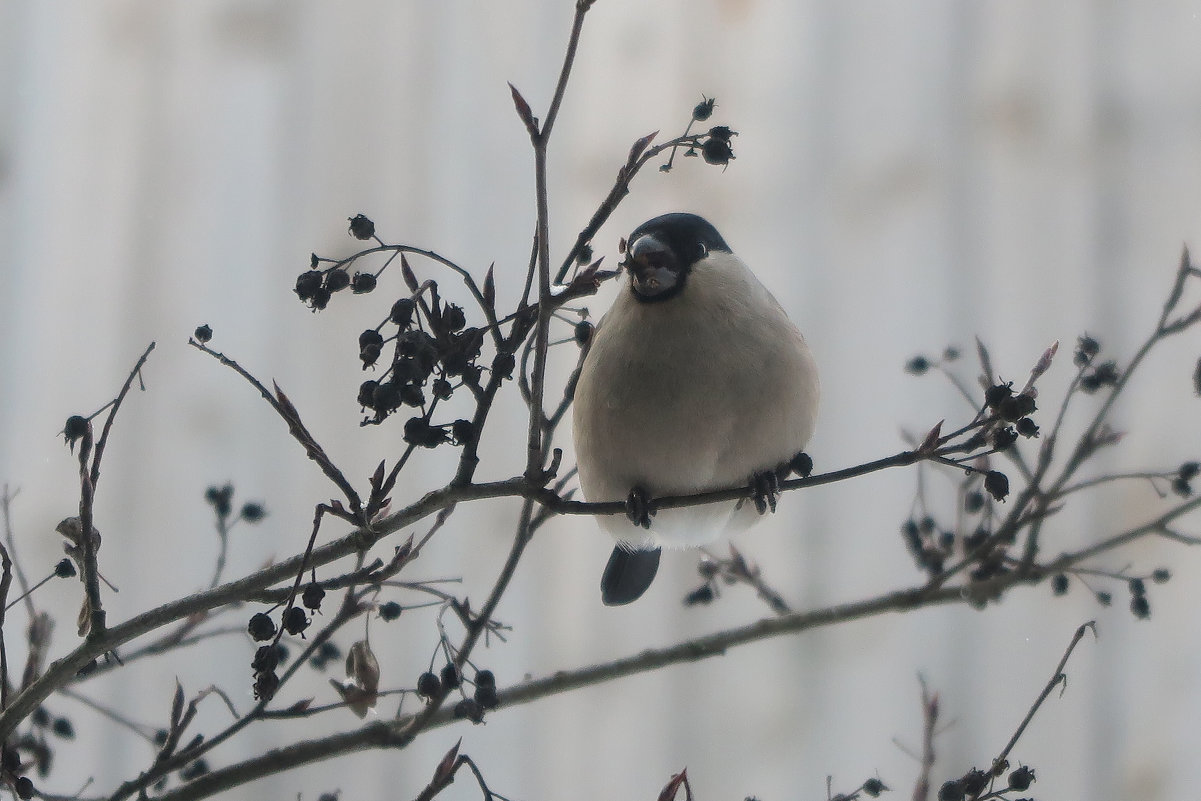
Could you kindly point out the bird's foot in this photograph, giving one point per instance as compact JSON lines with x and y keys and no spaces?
{"x":766,"y":487}
{"x":638,"y":507}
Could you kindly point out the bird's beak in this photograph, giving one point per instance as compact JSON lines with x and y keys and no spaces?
{"x":651,"y":266}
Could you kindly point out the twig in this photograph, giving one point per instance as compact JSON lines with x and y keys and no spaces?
{"x":1057,"y":678}
{"x":921,"y":788}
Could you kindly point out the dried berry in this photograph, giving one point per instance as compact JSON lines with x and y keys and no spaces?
{"x":583,"y":332}
{"x":1059,"y":584}
{"x":1161,"y":575}
{"x":1015,"y":407}
{"x":1003,"y":438}
{"x":996,"y":484}
{"x":917,"y":365}
{"x":975,"y":781}
{"x":486,"y":697}
{"x":361,"y":227}
{"x":503,"y":364}
{"x":295,"y":620}
{"x":362,"y":283}
{"x":308,"y":283}
{"x":485,"y":678}
{"x":1140,"y":606}
{"x":469,"y":708}
{"x":266,"y":659}
{"x":65,"y":568}
{"x":462,"y":431}
{"x":1086,"y":349}
{"x":428,"y":685}
{"x":386,"y":397}
{"x":261,"y":627}
{"x":701,"y":595}
{"x":454,"y":318}
{"x":63,"y":728}
{"x":221,"y":499}
{"x":704,"y":109}
{"x":337,"y":280}
{"x":24,"y":788}
{"x":1027,"y":427}
{"x":402,"y":312}
{"x":390,"y":611}
{"x":951,"y":791}
{"x":312,"y":596}
{"x":873,"y":787}
{"x":203,"y":333}
{"x":75,"y":427}
{"x":717,"y":151}
{"x":1021,"y":778}
{"x":451,"y":678}
{"x":997,"y":394}
{"x":252,"y":512}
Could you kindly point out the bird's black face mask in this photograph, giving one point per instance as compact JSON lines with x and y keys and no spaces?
{"x":662,"y":251}
{"x":656,"y":274}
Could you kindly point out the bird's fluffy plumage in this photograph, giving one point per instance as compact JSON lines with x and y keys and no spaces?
{"x":694,"y":393}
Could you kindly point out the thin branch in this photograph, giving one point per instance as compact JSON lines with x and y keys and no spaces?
{"x":1057,"y":678}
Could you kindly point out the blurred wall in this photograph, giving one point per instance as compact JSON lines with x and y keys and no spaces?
{"x":908,"y":175}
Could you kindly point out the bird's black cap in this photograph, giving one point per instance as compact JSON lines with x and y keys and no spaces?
{"x":682,"y":232}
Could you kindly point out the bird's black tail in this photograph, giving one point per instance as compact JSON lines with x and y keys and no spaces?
{"x":627,"y":575}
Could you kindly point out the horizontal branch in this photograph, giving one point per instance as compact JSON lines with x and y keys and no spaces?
{"x":399,"y":732}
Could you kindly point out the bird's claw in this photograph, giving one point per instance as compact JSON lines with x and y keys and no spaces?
{"x":766,"y":487}
{"x":638,"y":507}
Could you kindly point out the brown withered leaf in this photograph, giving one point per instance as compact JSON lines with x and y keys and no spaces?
{"x":445,"y":772}
{"x":639,"y":146}
{"x":407,"y":273}
{"x":362,"y":666}
{"x":673,"y":787}
{"x":523,"y":110}
{"x":358,"y":699}
{"x":490,"y":287}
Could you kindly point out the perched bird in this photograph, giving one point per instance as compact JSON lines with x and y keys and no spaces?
{"x":695,"y":380}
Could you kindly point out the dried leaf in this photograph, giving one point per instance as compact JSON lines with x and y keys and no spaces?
{"x":407,"y":273}
{"x":359,"y":700}
{"x":84,"y":622}
{"x":639,"y":146}
{"x":673,"y":787}
{"x":931,"y":440}
{"x":362,"y":666}
{"x":445,"y":771}
{"x":177,"y":705}
{"x":284,"y":403}
{"x":490,"y":287}
{"x":523,"y":110}
{"x":985,"y":364}
{"x":300,"y":706}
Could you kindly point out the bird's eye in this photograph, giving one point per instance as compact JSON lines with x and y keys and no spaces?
{"x":701,"y":250}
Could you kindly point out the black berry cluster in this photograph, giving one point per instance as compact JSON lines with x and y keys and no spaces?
{"x":420,"y":353}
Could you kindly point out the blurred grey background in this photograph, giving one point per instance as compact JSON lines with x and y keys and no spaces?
{"x":908,"y":176}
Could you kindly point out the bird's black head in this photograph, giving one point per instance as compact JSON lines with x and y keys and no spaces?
{"x":661,"y":252}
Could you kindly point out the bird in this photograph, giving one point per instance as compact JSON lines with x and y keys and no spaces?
{"x":694,"y":380}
